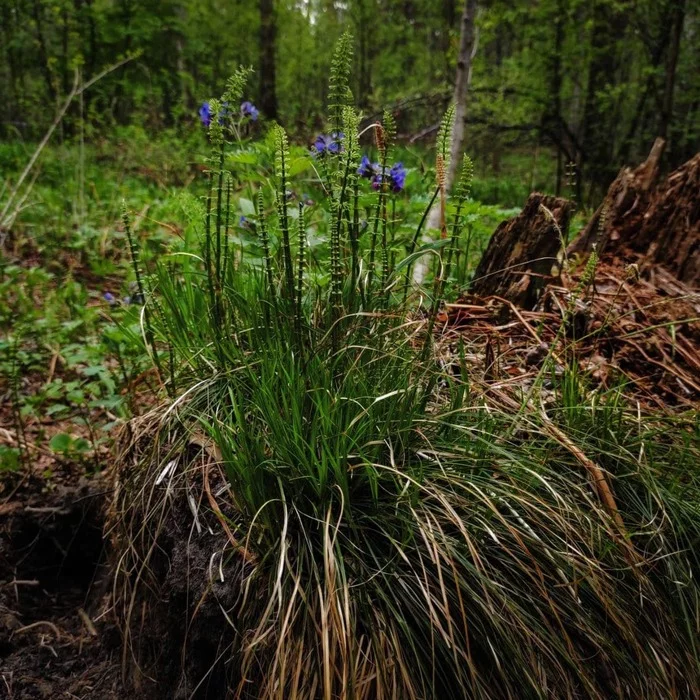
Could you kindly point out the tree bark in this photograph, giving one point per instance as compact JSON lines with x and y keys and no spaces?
{"x":660,"y":222}
{"x":678,"y":16}
{"x":624,"y":205}
{"x":467,"y":45}
{"x":519,"y":258}
{"x":268,"y":45}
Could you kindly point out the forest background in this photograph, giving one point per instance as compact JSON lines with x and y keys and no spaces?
{"x":552,"y":82}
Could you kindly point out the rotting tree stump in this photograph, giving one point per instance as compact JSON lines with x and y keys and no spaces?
{"x":671,"y":229}
{"x":520,"y":256}
{"x":624,"y":205}
{"x":661,"y":222}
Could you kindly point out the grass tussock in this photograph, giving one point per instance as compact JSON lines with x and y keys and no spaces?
{"x":387,"y":534}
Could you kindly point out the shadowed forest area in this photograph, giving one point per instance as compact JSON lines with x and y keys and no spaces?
{"x":349,"y":350}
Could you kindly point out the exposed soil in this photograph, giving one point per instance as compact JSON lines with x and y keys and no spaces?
{"x":180,"y":569}
{"x":56,"y":638}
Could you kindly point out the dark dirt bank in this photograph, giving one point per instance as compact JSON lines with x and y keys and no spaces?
{"x":57,"y":639}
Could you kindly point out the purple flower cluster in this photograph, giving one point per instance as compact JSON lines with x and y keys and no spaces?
{"x":328,"y":143}
{"x":395,"y":177}
{"x":205,"y":114}
{"x":248,"y":110}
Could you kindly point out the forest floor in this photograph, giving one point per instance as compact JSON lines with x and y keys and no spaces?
{"x":58,"y":636}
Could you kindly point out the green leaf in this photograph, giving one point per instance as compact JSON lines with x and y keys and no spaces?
{"x":246,"y":207}
{"x":299,"y":165}
{"x":9,"y":459}
{"x":61,"y":442}
{"x":82,"y":445}
{"x":429,"y":249}
{"x":56,"y":408}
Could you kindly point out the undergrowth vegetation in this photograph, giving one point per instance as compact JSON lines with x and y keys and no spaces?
{"x":392,"y":531}
{"x":69,"y":306}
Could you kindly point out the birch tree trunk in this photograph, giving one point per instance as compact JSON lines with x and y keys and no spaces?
{"x":467,"y":49}
{"x":467,"y":45}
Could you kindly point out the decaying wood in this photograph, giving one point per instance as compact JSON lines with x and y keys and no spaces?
{"x":625,"y":204}
{"x":522,"y":251}
{"x":660,"y":221}
{"x":671,"y":229}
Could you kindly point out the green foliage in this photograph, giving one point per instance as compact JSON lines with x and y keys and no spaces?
{"x":339,"y":93}
{"x":568,"y":81}
{"x":449,"y":548}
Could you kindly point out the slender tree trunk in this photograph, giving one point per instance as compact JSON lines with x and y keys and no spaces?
{"x":608,"y":28}
{"x":449,"y":15}
{"x":364,"y":24}
{"x":678,"y":16}
{"x":467,"y":47}
{"x":268,"y":41}
{"x":13,"y":109}
{"x":43,"y":53}
{"x":181,"y":14}
{"x":555,"y":117}
{"x":467,"y":44}
{"x":65,"y":33}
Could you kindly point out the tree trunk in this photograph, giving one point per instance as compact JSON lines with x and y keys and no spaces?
{"x":609,"y":24}
{"x":467,"y":48}
{"x":43,"y":53}
{"x":554,"y":117}
{"x":268,"y":41}
{"x":364,"y":24}
{"x":678,"y":16}
{"x":467,"y":45}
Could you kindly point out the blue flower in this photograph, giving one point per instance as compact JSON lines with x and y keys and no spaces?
{"x":328,"y":143}
{"x":368,"y":169}
{"x":205,"y":114}
{"x":109,"y":298}
{"x":396,"y":178}
{"x":244,"y":222}
{"x":248,"y":109}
